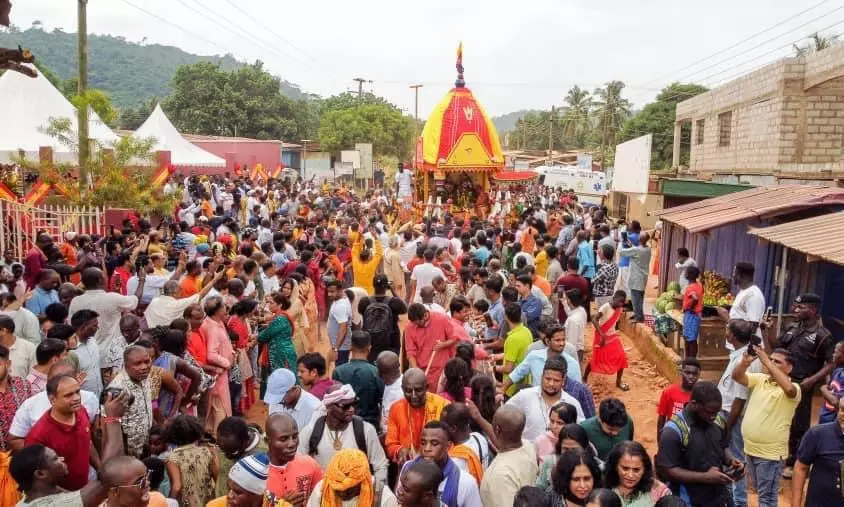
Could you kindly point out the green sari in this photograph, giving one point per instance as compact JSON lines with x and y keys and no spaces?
{"x":278,"y":336}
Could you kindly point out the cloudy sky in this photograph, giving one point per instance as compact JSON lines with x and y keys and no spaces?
{"x":518,"y":54}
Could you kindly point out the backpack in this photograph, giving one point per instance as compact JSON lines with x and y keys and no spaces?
{"x":319,"y":429}
{"x":679,"y":424}
{"x":378,"y":321}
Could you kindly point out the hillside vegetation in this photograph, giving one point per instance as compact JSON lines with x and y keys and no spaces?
{"x":128,"y":72}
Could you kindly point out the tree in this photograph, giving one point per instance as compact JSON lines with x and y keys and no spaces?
{"x":610,"y":110}
{"x":131,"y":118}
{"x":346,"y":120}
{"x":246,"y":102}
{"x":658,"y":118}
{"x":121,"y":173}
{"x":531,"y":132}
{"x":817,"y":42}
{"x":576,"y":122}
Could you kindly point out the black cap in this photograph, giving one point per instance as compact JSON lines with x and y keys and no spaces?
{"x":808,"y":298}
{"x":381,"y":281}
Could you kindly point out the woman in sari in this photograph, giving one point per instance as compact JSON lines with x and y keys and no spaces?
{"x":290,"y":291}
{"x":307,"y":294}
{"x":278,"y":340}
{"x":221,"y":355}
{"x":238,"y":324}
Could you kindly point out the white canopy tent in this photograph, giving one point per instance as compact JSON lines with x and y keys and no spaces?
{"x":26,"y":107}
{"x":183,"y":153}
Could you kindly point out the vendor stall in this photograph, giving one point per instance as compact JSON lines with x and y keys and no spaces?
{"x":456,"y":153}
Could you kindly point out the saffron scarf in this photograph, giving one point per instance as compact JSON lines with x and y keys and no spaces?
{"x":466,"y":453}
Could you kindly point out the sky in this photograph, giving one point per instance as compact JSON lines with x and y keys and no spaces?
{"x":517,"y":54}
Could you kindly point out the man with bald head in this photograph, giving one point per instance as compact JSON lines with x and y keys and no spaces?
{"x":409,"y":415}
{"x":170,"y":305}
{"x":515,"y":465}
{"x":389,"y":369}
{"x":291,"y":476}
{"x":133,"y":378}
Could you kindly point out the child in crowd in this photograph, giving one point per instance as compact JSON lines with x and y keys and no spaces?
{"x":157,"y":476}
{"x":479,"y":309}
{"x":832,"y":391}
{"x":692,"y":310}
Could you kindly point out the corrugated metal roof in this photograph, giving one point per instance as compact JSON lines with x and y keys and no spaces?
{"x":757,"y":202}
{"x":818,"y":236}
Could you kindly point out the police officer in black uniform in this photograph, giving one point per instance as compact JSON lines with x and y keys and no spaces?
{"x":811,"y":345}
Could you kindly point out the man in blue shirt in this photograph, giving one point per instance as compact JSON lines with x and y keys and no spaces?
{"x":632,"y":240}
{"x":45,"y":292}
{"x":822,"y":450}
{"x":496,"y":309}
{"x":534,"y":362}
{"x":585,"y":256}
{"x":531,"y":305}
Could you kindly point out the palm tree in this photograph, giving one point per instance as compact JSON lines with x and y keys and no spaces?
{"x":575,"y":120}
{"x":610,"y":111}
{"x":817,"y":42}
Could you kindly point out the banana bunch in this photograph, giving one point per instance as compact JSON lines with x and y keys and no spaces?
{"x":715,"y":288}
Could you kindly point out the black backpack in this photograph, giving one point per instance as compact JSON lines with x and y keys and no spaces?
{"x":319,"y":429}
{"x":378,"y":321}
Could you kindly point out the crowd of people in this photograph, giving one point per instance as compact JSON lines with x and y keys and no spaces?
{"x":421,"y":362}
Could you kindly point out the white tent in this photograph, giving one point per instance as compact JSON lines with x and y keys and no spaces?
{"x":183,"y":153}
{"x":26,"y":106}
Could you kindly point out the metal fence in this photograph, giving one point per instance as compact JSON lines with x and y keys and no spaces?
{"x":22,"y":222}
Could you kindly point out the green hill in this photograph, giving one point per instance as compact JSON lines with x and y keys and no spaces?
{"x":130,"y":73}
{"x":507,"y":122}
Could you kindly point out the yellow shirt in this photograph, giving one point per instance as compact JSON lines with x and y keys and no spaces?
{"x":364,"y":272}
{"x":218,"y":502}
{"x":541,"y":263}
{"x":767,"y":417}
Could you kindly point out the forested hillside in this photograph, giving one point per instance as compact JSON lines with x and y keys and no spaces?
{"x":130,"y":73}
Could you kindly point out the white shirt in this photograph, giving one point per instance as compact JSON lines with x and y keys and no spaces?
{"x":749,"y":305}
{"x":270,"y":283}
{"x":325,"y":448}
{"x":424,"y":275}
{"x":575,"y":327}
{"x":359,"y":293}
{"x":110,"y":307}
{"x":88,"y":354}
{"x":468,"y":494}
{"x":303,"y":410}
{"x":729,"y":388}
{"x":165,"y":309}
{"x":22,"y":357}
{"x":153,"y":285}
{"x":681,"y":268}
{"x":434,"y":307}
{"x":26,"y":325}
{"x":404,"y":179}
{"x":35,"y":407}
{"x":480,"y":445}
{"x":392,"y":394}
{"x":188,"y":215}
{"x":407,"y":252}
{"x":530,"y":402}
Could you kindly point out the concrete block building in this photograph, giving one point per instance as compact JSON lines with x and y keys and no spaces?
{"x":783,"y":123}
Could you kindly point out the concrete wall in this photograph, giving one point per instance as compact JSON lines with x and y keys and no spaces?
{"x":246,"y":153}
{"x":787,"y":120}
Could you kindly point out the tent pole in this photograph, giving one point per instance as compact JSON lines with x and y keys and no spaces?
{"x":781,"y":292}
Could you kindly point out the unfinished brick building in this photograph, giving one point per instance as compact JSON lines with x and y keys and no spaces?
{"x":781,"y":123}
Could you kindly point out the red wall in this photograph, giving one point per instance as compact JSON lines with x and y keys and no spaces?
{"x":247,"y":153}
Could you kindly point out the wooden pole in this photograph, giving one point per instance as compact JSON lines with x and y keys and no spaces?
{"x":82,"y":76}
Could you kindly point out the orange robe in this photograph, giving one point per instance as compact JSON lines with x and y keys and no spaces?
{"x":405,"y":423}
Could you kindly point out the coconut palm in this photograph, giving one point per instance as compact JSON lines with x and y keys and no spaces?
{"x":610,"y":111}
{"x":817,"y":42}
{"x":575,"y":121}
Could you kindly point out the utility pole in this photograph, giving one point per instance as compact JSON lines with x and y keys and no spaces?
{"x":551,"y":136}
{"x":360,"y":81}
{"x":82,"y":78}
{"x":415,"y":88}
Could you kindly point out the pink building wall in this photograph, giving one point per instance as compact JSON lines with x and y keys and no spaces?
{"x":249,"y":153}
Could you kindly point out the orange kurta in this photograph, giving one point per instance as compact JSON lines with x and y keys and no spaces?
{"x":405,"y":423}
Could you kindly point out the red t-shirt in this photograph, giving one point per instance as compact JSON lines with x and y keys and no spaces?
{"x":688,"y":303}
{"x":301,"y":474}
{"x":672,"y":401}
{"x":197,"y":346}
{"x":71,"y":442}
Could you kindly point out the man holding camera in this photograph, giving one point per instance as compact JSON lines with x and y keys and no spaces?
{"x":811,"y":345}
{"x":767,"y":418}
